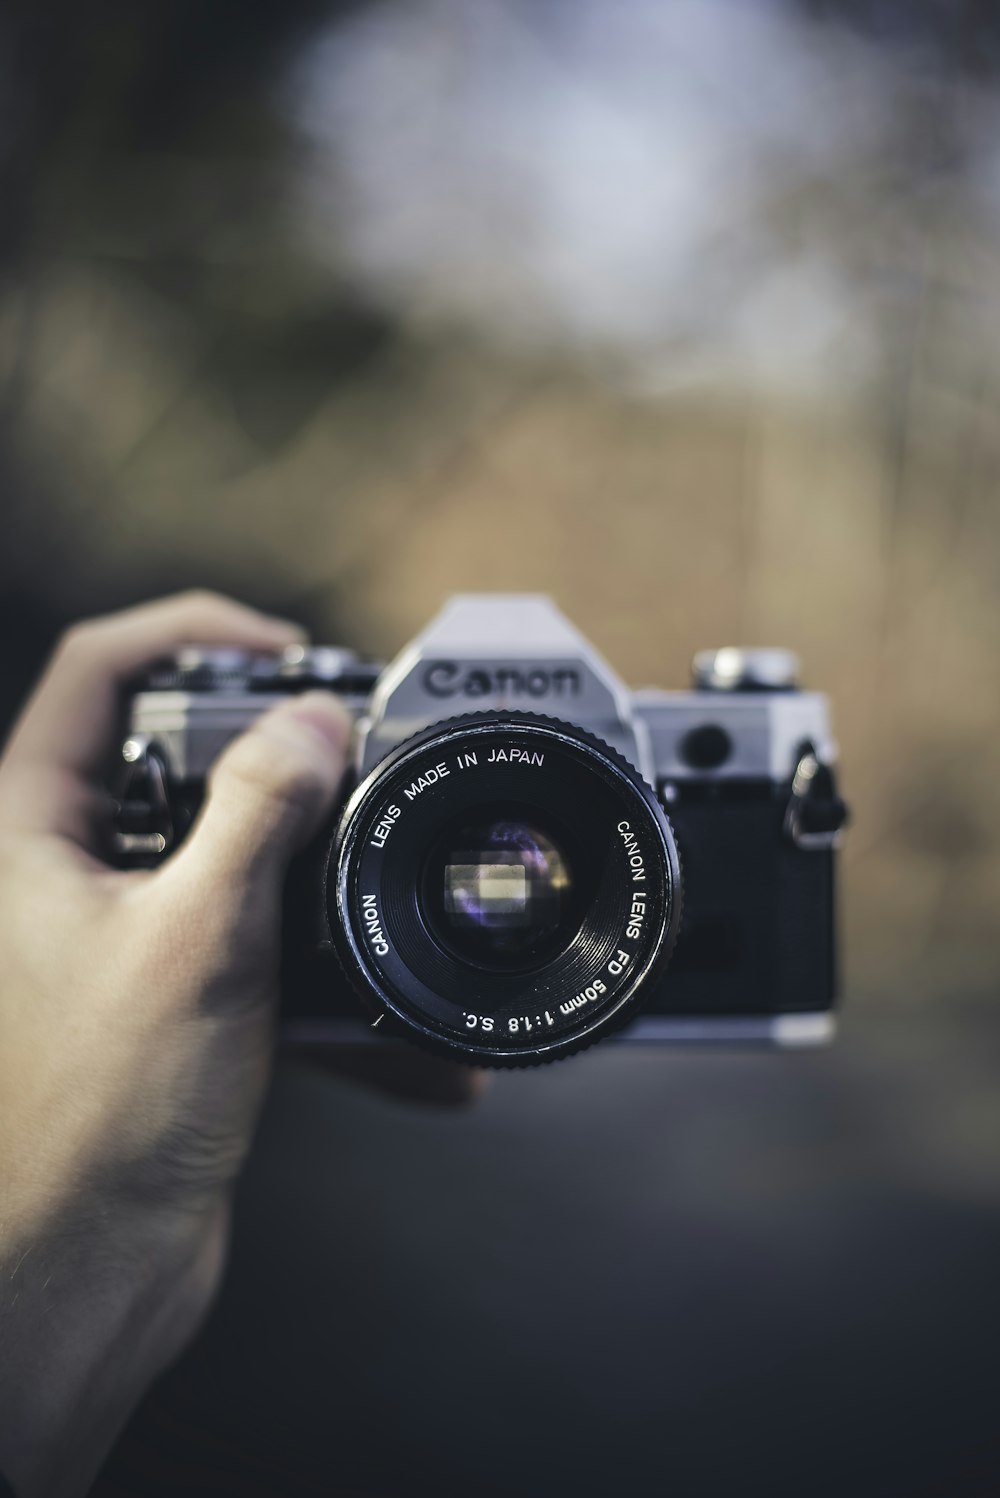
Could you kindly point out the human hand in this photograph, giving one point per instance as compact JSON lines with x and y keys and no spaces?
{"x":136,"y":1027}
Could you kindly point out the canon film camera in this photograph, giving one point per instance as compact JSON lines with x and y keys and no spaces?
{"x":528,"y":857}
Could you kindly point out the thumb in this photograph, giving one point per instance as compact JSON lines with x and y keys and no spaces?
{"x":268,"y":793}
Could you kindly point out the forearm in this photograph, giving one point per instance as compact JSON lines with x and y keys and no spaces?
{"x":88,"y":1318}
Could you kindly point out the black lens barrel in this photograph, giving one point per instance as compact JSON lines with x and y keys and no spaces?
{"x":504,"y":886}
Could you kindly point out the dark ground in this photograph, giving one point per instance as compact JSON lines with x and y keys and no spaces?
{"x":635,"y":1273}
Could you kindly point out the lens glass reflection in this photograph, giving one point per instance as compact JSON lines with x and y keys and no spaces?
{"x":503,"y":891}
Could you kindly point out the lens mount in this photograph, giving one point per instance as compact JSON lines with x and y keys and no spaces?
{"x":503,"y":886}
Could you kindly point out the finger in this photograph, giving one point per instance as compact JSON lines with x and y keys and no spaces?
{"x":399,"y":1070}
{"x":267,"y":794}
{"x":63,"y":739}
{"x":72,"y":710}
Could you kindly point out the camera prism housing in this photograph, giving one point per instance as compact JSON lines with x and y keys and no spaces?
{"x":527,"y":856}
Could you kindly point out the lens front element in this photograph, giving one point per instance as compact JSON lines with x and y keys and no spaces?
{"x":497,"y":890}
{"x":504,"y":886}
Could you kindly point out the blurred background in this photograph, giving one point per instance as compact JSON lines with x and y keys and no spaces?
{"x":688,"y":315}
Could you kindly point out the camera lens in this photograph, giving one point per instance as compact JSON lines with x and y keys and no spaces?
{"x":497,"y":890}
{"x":505,"y":888}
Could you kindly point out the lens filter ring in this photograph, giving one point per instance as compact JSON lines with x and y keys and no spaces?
{"x":504,"y":887}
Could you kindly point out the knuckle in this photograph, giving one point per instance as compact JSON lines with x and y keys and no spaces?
{"x":76,"y":635}
{"x":199,"y":598}
{"x":80,"y":638}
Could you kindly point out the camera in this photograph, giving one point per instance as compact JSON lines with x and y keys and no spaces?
{"x":527,"y":856}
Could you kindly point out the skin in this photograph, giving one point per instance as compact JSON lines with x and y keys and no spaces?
{"x":136,"y":1032}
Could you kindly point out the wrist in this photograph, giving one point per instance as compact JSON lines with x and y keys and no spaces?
{"x":90,"y":1314}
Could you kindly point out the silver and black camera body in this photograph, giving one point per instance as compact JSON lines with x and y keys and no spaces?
{"x":527,"y":856}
